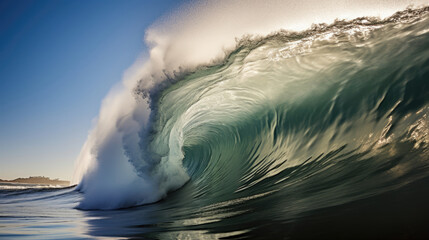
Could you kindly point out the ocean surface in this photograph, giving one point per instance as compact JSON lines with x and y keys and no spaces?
{"x":295,"y":135}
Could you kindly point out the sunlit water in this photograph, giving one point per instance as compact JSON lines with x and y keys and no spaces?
{"x":322,"y":133}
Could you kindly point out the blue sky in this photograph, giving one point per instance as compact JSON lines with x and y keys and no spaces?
{"x":58,"y":59}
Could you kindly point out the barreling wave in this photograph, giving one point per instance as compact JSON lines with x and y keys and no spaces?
{"x":314,"y":118}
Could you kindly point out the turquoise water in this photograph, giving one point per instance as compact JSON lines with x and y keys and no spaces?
{"x":322,"y":133}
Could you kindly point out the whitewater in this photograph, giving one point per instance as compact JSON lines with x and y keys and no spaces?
{"x":257,"y":120}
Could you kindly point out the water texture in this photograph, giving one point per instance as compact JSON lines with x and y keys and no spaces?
{"x":325,"y":129}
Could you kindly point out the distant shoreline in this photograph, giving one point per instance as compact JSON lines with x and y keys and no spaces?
{"x":38,"y":180}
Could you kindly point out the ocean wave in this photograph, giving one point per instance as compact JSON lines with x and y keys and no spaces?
{"x":314,"y":118}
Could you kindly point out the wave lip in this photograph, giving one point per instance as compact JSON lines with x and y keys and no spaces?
{"x":285,"y":113}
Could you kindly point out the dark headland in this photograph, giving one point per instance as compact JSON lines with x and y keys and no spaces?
{"x":38,"y":180}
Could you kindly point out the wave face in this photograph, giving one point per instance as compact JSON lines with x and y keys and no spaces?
{"x":293,"y":121}
{"x":316,"y":119}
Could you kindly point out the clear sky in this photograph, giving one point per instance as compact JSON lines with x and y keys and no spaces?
{"x":58,"y":59}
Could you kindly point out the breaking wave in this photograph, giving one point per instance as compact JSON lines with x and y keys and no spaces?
{"x":314,"y":118}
